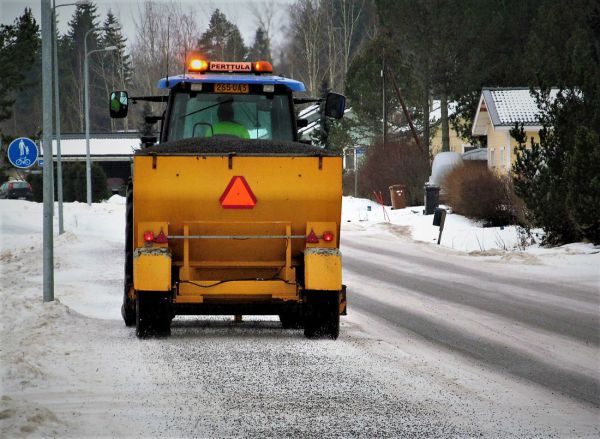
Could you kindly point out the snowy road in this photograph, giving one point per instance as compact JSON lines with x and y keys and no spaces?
{"x":437,"y":344}
{"x":497,"y":296}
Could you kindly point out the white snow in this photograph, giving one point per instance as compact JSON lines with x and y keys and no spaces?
{"x":460,"y":233}
{"x":71,"y":369}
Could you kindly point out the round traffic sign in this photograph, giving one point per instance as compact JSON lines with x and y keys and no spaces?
{"x":22,"y":152}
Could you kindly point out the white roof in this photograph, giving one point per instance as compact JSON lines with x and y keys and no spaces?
{"x":507,"y":106}
{"x":99,"y":146}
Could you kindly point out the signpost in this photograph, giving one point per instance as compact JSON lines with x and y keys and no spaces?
{"x":48,"y":239}
{"x":22,"y":153}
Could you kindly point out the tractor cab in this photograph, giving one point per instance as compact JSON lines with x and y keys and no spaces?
{"x":231,"y":100}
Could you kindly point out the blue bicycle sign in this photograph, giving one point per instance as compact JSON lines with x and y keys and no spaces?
{"x":22,"y":152}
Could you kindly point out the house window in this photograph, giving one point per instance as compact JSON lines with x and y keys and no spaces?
{"x":502,"y":155}
{"x":492,"y":160}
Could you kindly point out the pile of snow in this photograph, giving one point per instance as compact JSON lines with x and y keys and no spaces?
{"x":460,"y":233}
{"x":92,"y":243}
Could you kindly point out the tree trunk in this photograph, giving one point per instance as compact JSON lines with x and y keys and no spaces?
{"x":445,"y":124}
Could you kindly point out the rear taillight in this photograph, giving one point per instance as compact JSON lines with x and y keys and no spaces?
{"x":148,"y":237}
{"x":10,"y":185}
{"x":327,"y":236}
{"x":29,"y":184}
{"x":312,"y":238}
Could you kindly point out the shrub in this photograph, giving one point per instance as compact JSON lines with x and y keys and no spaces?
{"x":479,"y":193}
{"x":400,"y":162}
{"x":74,"y":183}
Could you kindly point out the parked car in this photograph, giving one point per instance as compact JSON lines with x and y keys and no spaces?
{"x":16,"y":189}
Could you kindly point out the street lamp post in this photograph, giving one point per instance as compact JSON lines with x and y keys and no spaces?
{"x":61,"y":228}
{"x":86,"y":103}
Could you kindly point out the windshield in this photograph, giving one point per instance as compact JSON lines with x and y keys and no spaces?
{"x":246,"y":116}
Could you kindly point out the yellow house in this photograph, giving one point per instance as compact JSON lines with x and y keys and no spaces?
{"x":498,"y":111}
{"x":456,"y":143}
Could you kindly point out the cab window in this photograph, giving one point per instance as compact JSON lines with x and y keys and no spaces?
{"x":249,"y":116}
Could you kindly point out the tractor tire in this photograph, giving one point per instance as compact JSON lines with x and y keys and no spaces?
{"x":291,"y":320}
{"x":322,"y":314}
{"x":128,"y":308}
{"x":153,"y":314}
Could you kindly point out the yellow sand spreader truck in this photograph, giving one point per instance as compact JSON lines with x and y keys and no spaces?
{"x":230,"y":214}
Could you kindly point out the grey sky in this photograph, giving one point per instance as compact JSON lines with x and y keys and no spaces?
{"x":237,"y":11}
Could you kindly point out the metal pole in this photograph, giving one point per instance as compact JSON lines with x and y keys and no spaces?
{"x":86,"y":104}
{"x":355,"y":174}
{"x":88,"y":164}
{"x":48,"y":244}
{"x":384,"y":108}
{"x":61,"y":228}
{"x":406,"y":113}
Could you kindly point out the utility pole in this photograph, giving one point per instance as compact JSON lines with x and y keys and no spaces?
{"x":355,"y":174}
{"x":86,"y":104}
{"x":384,"y":107}
{"x":61,"y":228}
{"x":405,"y":110}
{"x":48,"y":243}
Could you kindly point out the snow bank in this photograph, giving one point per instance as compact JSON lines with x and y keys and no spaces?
{"x":460,"y":233}
{"x":92,"y":244}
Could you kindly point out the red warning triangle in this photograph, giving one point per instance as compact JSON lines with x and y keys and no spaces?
{"x":238,"y":195}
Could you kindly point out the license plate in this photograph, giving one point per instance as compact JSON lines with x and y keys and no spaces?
{"x":232,"y":88}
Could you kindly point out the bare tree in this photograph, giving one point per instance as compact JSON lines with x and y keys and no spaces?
{"x":351,"y":12}
{"x":265,"y":15}
{"x":306,"y":42}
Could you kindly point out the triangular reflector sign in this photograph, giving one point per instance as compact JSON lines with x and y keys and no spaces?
{"x":238,"y":195}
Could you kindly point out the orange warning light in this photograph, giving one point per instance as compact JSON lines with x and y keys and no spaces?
{"x":197,"y":65}
{"x":238,"y":194}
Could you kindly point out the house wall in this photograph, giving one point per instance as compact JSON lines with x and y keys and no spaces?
{"x":498,"y":146}
{"x":456,"y":143}
{"x":513,"y":143}
{"x":501,"y":148}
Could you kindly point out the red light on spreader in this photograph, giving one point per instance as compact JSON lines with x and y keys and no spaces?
{"x":327,"y":236}
{"x":149,"y":236}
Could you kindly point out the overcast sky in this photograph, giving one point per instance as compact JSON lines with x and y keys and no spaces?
{"x":237,"y":11}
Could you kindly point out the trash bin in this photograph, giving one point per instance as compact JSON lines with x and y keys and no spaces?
{"x":398,"y":196}
{"x":432,"y":198}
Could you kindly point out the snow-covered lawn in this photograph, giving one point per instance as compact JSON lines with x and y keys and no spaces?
{"x":71,"y":368}
{"x":459,"y":233}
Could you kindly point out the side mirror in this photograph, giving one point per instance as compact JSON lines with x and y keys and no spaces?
{"x":335,"y":104}
{"x":148,"y":141}
{"x":119,"y":104}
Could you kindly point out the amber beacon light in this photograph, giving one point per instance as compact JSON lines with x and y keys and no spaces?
{"x":197,"y":65}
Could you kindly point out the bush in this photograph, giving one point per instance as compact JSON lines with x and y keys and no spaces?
{"x":74,"y":183}
{"x":400,"y":162}
{"x":479,"y":193}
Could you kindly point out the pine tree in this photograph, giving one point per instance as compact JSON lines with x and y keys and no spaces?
{"x":115,"y":65}
{"x":222,"y":40}
{"x":20,"y":64}
{"x":558,"y":178}
{"x":84,"y":18}
{"x":261,"y":48}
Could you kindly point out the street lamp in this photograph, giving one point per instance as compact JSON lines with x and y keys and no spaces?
{"x":61,"y":228}
{"x":86,"y":103}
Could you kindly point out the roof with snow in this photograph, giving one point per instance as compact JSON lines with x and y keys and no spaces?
{"x":103,"y":146}
{"x":504,"y":107}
